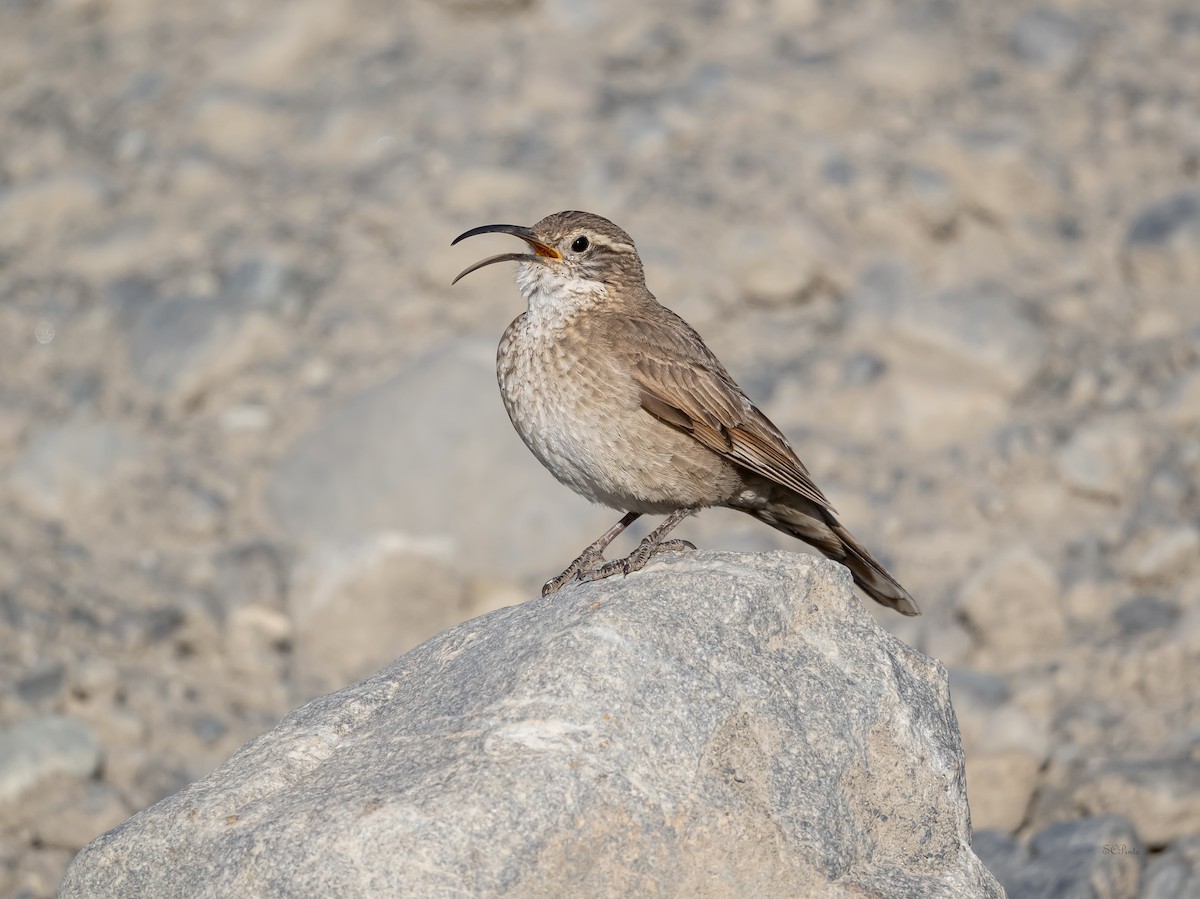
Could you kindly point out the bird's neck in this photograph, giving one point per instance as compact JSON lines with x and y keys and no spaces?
{"x":555,"y":300}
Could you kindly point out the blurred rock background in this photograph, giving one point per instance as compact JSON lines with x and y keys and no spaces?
{"x":953,"y":249}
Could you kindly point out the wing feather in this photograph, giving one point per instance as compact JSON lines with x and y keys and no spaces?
{"x":685,"y":386}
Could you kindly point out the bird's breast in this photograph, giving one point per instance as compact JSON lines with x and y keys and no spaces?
{"x":578,"y":409}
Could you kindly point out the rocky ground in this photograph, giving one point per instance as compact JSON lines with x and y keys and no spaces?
{"x":674,"y":734}
{"x":953,"y":250}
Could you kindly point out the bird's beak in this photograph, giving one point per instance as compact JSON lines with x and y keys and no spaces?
{"x":541,"y":251}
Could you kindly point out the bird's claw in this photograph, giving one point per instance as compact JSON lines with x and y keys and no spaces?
{"x":580,"y":570}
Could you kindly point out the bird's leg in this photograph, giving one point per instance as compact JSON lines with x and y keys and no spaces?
{"x":587,"y":560}
{"x":652,"y":545}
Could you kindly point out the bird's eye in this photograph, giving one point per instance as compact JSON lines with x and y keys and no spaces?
{"x":579,"y":244}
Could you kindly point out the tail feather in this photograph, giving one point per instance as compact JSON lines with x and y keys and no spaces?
{"x":829,"y":536}
{"x":872,"y":577}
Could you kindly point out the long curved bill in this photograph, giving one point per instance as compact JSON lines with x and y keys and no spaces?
{"x":541,"y":252}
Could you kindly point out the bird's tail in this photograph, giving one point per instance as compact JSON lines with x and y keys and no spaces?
{"x":828,"y":535}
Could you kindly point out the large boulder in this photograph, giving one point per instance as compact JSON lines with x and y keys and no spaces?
{"x":715,"y":725}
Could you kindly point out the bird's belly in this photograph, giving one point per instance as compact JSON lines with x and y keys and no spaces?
{"x":586,"y":425}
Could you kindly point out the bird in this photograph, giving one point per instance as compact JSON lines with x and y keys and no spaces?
{"x":622,"y":401}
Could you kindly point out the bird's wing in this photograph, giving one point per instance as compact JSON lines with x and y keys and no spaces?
{"x":684,"y":385}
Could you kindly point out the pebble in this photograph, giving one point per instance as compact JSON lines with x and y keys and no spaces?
{"x":14,"y":422}
{"x":1166,"y":555}
{"x":931,"y":198}
{"x":1176,"y":873}
{"x":196,"y":511}
{"x":1160,"y":795}
{"x":1163,"y":220}
{"x":70,"y":466}
{"x":977,"y":688}
{"x":185,"y":345}
{"x":94,"y":678}
{"x":1000,"y":787}
{"x":1102,"y":460}
{"x":246,"y":418}
{"x":238,"y":129}
{"x":905,"y":64}
{"x":1145,"y":614}
{"x":476,"y":192}
{"x":285,"y":47}
{"x":41,"y":683}
{"x":88,"y":810}
{"x":33,"y":751}
{"x":209,"y":728}
{"x":255,"y":633}
{"x":39,"y":872}
{"x":359,"y":609}
{"x":1162,"y":245}
{"x":1013,"y":603}
{"x":977,"y":335}
{"x":47,"y":207}
{"x":268,"y":283}
{"x":1005,"y":749}
{"x":1048,"y":39}
{"x":994,"y":173}
{"x":1183,"y":403}
{"x":253,"y":573}
{"x":775,"y":267}
{"x":1088,"y":857}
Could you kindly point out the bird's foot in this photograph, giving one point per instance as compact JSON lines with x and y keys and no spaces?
{"x":672,"y":546}
{"x":580,"y":569}
{"x":637,"y":559}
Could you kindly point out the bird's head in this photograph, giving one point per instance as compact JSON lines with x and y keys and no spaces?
{"x":575,"y":255}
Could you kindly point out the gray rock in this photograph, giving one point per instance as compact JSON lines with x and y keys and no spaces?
{"x":139,"y":628}
{"x":1085,"y":859}
{"x":182,"y":344}
{"x":250,"y":573}
{"x":1162,"y":242}
{"x":1183,"y":402}
{"x":1006,"y":748}
{"x":1176,"y":873}
{"x":70,"y":465}
{"x":930,"y":197}
{"x":1103,"y":460}
{"x":978,"y":688}
{"x":1048,"y":40}
{"x":41,"y":683}
{"x":777,"y":266}
{"x":49,"y":206}
{"x":1013,"y":602}
{"x":196,"y":511}
{"x":89,"y":808}
{"x":267,"y":283}
{"x":977,"y":335}
{"x":38,"y":872}
{"x":1164,"y":220}
{"x":1160,"y":795}
{"x":431,"y":453}
{"x":1166,"y":554}
{"x":1002,"y":787}
{"x":41,"y":748}
{"x":355,"y":611}
{"x":1145,"y":613}
{"x":720,"y":725}
{"x":185,"y":344}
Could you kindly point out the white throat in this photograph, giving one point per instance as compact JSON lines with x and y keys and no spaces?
{"x":554,"y":296}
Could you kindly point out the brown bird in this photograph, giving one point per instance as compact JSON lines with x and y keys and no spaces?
{"x":621,"y":400}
